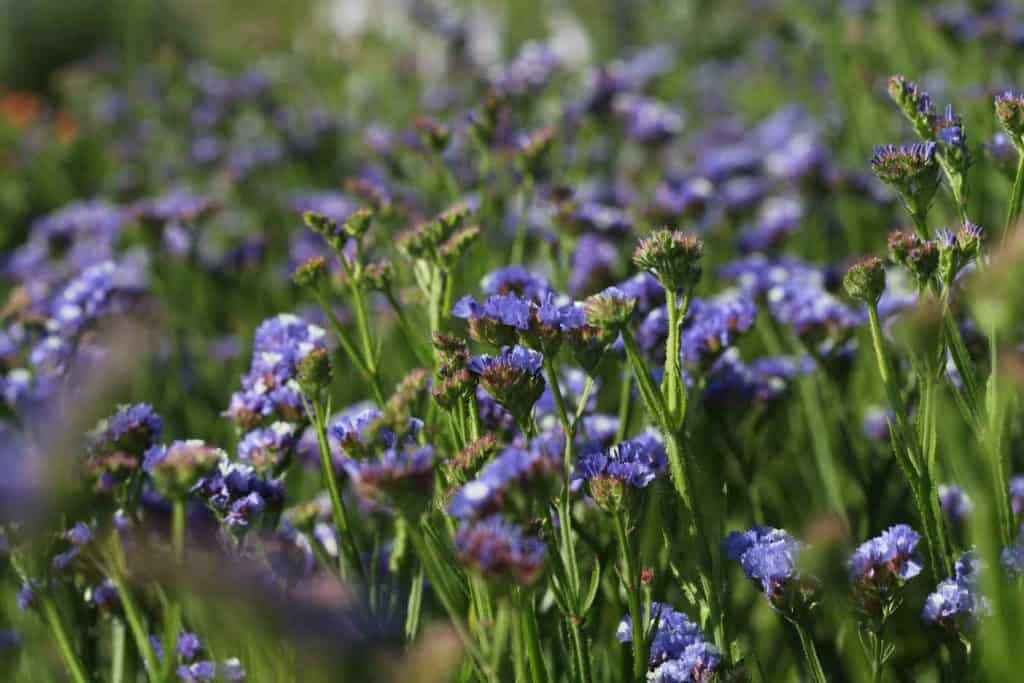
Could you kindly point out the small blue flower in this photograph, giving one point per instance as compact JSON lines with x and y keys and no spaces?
{"x":956,"y":601}
{"x":768,"y":556}
{"x":891,"y":554}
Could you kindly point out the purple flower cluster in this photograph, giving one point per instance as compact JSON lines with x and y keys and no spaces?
{"x":956,"y":601}
{"x":239,"y":495}
{"x":518,"y":281}
{"x":635,"y":462}
{"x":733,"y":382}
{"x":499,"y":549}
{"x":63,"y":243}
{"x":679,"y":653}
{"x":270,"y":389}
{"x":768,"y":557}
{"x":399,"y":477}
{"x":888,"y":556}
{"x":191,"y":669}
{"x":714,"y":325}
{"x":269,"y":447}
{"x":1017,"y":494}
{"x":512,"y":470}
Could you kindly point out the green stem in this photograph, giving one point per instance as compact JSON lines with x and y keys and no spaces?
{"x":631,"y":585}
{"x":814,"y":669}
{"x":67,"y":652}
{"x":178,"y":532}
{"x":1013,"y":213}
{"x":909,"y":456}
{"x":531,"y":638}
{"x":672,"y":385}
{"x":350,"y":549}
{"x":131,"y":609}
{"x":118,"y":648}
{"x":581,"y":658}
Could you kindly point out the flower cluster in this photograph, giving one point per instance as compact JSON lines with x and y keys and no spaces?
{"x":270,"y":389}
{"x":679,"y":652}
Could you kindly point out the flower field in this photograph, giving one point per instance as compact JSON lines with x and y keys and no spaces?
{"x":576,"y":342}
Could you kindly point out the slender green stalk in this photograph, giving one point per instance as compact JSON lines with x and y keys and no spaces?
{"x":1013,"y":213}
{"x":672,"y":386}
{"x":814,"y":669}
{"x":350,"y":549}
{"x":131,"y":609}
{"x":909,"y":457}
{"x":531,"y":638}
{"x":436,"y":572}
{"x":53,"y":620}
{"x":178,"y":532}
{"x":580,"y":657}
{"x":631,"y":585}
{"x":120,"y":663}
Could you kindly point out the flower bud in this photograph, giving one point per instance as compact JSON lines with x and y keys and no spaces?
{"x":358,"y":223}
{"x":311,"y":273}
{"x":314,"y":372}
{"x":1010,"y":112}
{"x":865,"y":281}
{"x":610,"y":310}
{"x":379,"y":276}
{"x":608,"y":492}
{"x":912,"y":170}
{"x":672,"y":257}
{"x":177,"y":468}
{"x":915,"y":103}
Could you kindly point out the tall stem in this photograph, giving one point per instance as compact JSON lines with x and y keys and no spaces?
{"x":631,"y":585}
{"x":814,"y":668}
{"x":1013,"y":213}
{"x":63,"y":643}
{"x":350,"y":549}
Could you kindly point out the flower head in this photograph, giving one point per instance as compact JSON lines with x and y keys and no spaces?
{"x":176,"y":469}
{"x":887,"y":559}
{"x":514,"y":378}
{"x":671,"y":256}
{"x":631,"y":464}
{"x":500,"y":550}
{"x":400,"y":477}
{"x":912,"y":170}
{"x":956,"y":602}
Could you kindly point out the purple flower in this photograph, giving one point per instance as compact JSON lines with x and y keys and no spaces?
{"x":956,"y":601}
{"x":594,"y":260}
{"x":27,"y":598}
{"x":678,"y":649}
{"x":398,"y":477}
{"x":1017,"y":493}
{"x":270,"y":389}
{"x":892,"y":554}
{"x":197,"y":672}
{"x":269,"y":447}
{"x":955,"y":503}
{"x":647,"y":120}
{"x":713,"y":325}
{"x":499,"y":549}
{"x":768,"y":556}
{"x":514,"y":468}
{"x":189,"y":646}
{"x":514,"y":378}
{"x":528,"y":72}
{"x":516,"y":280}
{"x":635,"y":462}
